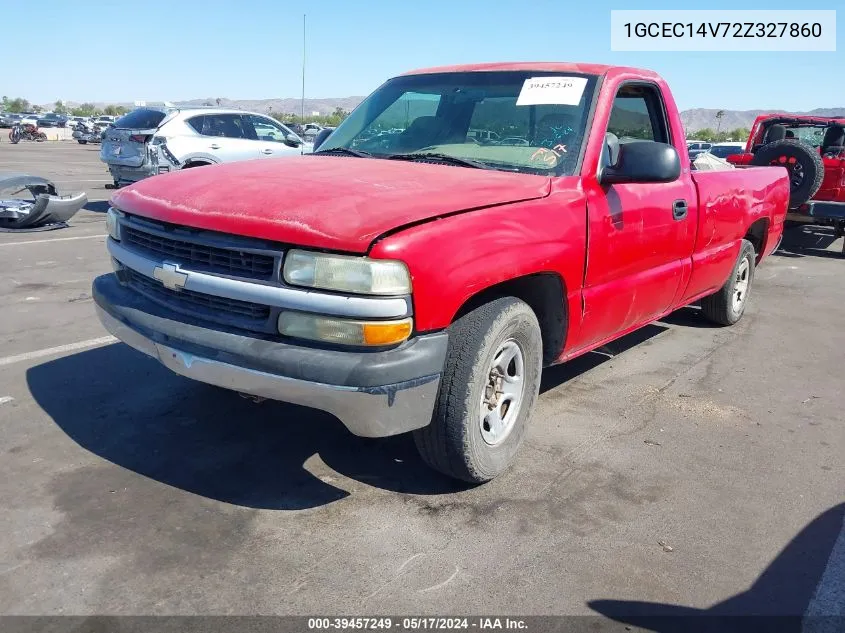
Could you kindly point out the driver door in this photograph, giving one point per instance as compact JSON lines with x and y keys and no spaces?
{"x":641,"y":235}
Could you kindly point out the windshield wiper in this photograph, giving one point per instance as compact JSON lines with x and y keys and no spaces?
{"x":444,"y":158}
{"x":344,"y":150}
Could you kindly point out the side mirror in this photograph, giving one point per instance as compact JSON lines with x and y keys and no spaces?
{"x":292,"y":140}
{"x":639,"y":161}
{"x":321,"y":137}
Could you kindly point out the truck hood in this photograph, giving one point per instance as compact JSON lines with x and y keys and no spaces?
{"x":331,"y":202}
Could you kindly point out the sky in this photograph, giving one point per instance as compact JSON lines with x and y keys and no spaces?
{"x":96,"y":50}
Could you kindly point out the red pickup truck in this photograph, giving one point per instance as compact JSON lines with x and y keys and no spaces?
{"x":409,"y":276}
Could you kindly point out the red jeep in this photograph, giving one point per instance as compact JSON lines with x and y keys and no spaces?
{"x":813,"y":150}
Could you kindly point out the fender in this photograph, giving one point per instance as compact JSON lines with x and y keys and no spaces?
{"x":454,"y":258}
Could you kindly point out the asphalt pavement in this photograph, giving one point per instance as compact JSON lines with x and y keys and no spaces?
{"x":685,"y":469}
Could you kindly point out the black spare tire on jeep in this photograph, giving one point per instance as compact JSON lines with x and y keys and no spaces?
{"x":805,"y":166}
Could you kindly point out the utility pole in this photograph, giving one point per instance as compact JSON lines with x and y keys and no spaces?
{"x":302,"y":105}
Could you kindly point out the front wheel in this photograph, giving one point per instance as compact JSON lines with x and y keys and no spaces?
{"x":727,"y":306}
{"x":489,"y":386}
{"x":81,"y":142}
{"x":15,"y":136}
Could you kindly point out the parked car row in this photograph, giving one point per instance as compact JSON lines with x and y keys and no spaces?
{"x":49,"y":119}
{"x":719,"y":150}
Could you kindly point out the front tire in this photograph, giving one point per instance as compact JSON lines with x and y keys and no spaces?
{"x":487,"y":393}
{"x":727,"y":306}
{"x":81,"y":142}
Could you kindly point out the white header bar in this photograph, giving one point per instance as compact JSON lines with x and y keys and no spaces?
{"x":723,"y":30}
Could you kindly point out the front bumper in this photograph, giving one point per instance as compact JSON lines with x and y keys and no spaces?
{"x":349,"y":385}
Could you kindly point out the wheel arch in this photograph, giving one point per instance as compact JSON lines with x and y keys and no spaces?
{"x":197,"y":160}
{"x":545,"y":293}
{"x":758,"y":235}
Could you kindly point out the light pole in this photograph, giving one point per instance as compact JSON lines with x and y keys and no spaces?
{"x":302,"y":103}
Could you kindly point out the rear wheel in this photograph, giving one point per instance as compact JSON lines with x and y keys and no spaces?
{"x":727,"y":306}
{"x":41,"y":137}
{"x":804,"y":164}
{"x":81,"y":142}
{"x":489,"y":386}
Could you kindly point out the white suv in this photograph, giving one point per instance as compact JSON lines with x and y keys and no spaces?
{"x":150,"y":141}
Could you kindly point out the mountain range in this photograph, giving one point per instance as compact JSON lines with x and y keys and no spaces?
{"x":694,"y":119}
{"x":701,"y":118}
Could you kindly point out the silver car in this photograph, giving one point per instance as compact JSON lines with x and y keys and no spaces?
{"x":151,"y":140}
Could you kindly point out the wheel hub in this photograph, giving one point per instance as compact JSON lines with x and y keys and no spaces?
{"x":503,"y":392}
{"x":741,"y":282}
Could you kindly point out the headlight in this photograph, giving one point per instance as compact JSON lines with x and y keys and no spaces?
{"x":344,"y":331}
{"x":113,"y":223}
{"x":347,"y":274}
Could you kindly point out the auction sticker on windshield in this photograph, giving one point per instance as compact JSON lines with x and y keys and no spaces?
{"x":552,"y":91}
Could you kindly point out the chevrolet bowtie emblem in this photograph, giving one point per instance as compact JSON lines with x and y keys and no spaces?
{"x":170,"y":276}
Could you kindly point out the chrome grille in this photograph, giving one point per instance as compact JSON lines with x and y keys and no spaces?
{"x":199,"y":256}
{"x":252,"y":316}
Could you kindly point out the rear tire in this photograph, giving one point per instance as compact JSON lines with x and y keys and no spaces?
{"x":805,"y":166}
{"x":81,"y":142}
{"x":41,"y":137}
{"x":727,"y":306}
{"x":488,"y":389}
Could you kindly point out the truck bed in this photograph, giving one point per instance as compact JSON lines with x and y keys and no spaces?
{"x":730,"y":200}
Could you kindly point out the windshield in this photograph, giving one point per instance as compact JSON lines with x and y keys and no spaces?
{"x":514,"y":121}
{"x":723,"y":151}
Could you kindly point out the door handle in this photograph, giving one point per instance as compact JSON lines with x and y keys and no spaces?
{"x":679,"y":209}
{"x":267,"y":151}
{"x":214,"y":146}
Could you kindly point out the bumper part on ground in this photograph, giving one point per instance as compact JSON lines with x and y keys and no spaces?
{"x":339,"y":382}
{"x":45,"y":211}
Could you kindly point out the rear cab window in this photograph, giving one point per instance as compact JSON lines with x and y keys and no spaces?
{"x":142,"y":119}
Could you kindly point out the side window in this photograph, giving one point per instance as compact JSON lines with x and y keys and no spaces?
{"x":638,"y":113}
{"x":225,"y":125}
{"x":198,"y":124}
{"x":267,"y":129}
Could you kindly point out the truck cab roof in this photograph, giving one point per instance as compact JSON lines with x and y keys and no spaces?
{"x":544,"y":67}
